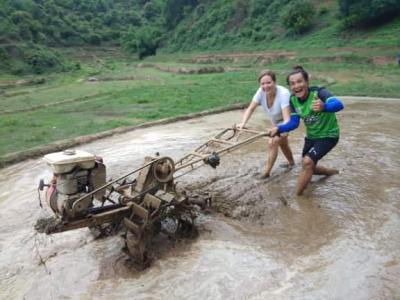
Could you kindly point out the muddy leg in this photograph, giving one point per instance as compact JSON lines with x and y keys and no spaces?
{"x":284,"y":145}
{"x":273,"y":145}
{"x":320,"y":170}
{"x":305,"y":175}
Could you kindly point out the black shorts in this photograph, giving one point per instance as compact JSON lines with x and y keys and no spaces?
{"x":318,"y":148}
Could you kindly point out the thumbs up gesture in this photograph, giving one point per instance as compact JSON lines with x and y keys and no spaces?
{"x":317,"y":104}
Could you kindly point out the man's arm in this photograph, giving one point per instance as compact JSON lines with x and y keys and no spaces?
{"x":333,"y":104}
{"x":291,"y":125}
{"x":328,"y":103}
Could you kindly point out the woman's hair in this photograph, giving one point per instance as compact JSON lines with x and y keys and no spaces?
{"x":267,"y":72}
{"x":298,"y":70}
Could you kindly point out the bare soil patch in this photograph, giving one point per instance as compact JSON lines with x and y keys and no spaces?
{"x":265,"y":56}
{"x":189,"y":70}
{"x":121,"y":78}
{"x":341,"y":55}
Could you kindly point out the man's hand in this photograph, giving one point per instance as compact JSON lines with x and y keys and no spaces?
{"x":318,"y":105}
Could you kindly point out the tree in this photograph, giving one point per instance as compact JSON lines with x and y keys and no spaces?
{"x":147,"y":41}
{"x":174,"y":10}
{"x":298,"y":16}
{"x":151,"y":11}
{"x":144,"y":41}
{"x":364,"y":13}
{"x":94,"y":39}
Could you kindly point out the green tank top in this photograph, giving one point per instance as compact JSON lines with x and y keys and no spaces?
{"x":318,"y":124}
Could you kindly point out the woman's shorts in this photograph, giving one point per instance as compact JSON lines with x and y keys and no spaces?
{"x":318,"y":148}
{"x":284,"y":134}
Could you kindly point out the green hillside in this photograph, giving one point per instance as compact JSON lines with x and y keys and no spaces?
{"x":33,"y":31}
{"x":282,"y":24}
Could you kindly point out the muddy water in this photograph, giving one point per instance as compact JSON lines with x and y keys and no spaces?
{"x":341,"y":240}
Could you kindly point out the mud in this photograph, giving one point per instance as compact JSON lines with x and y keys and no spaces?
{"x":341,"y":240}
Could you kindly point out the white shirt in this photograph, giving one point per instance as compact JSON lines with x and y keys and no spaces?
{"x":282,"y":100}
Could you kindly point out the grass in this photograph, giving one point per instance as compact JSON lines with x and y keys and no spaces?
{"x":155,"y":94}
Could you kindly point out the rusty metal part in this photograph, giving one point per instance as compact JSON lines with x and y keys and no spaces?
{"x":163,"y":169}
{"x":91,"y":220}
{"x":146,"y":218}
{"x":224,"y":142}
{"x":139,"y":233}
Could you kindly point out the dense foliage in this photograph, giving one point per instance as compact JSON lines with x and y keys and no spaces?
{"x":31,"y":30}
{"x":298,"y":16}
{"x":222,"y":23}
{"x":361,"y":13}
{"x":66,"y":22}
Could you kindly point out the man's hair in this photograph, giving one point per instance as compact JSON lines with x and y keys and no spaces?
{"x":298,"y":70}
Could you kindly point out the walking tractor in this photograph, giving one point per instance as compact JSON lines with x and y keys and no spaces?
{"x":141,"y":203}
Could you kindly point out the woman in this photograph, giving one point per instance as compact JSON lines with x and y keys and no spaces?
{"x":274,"y":99}
{"x":317,"y":107}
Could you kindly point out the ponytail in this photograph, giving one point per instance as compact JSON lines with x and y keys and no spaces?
{"x":298,"y":70}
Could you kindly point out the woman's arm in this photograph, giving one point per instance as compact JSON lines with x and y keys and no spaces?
{"x":247,"y":114}
{"x":286,"y":114}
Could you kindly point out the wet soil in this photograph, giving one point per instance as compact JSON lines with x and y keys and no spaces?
{"x":341,"y":240}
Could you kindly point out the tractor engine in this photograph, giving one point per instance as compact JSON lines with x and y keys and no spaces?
{"x":75,"y":173}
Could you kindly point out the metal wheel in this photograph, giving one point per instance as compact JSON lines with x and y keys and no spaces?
{"x":163,"y":169}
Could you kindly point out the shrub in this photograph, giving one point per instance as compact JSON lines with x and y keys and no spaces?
{"x":364,"y":13}
{"x":40,"y":62}
{"x":298,"y":16}
{"x":144,"y":41}
{"x":323,"y":10}
{"x":147,"y":42}
{"x":94,"y":39}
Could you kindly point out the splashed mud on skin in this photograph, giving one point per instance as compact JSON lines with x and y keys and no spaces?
{"x":338,"y":241}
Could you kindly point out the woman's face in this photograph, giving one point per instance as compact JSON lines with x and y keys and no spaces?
{"x":298,"y":85}
{"x":267,"y":84}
